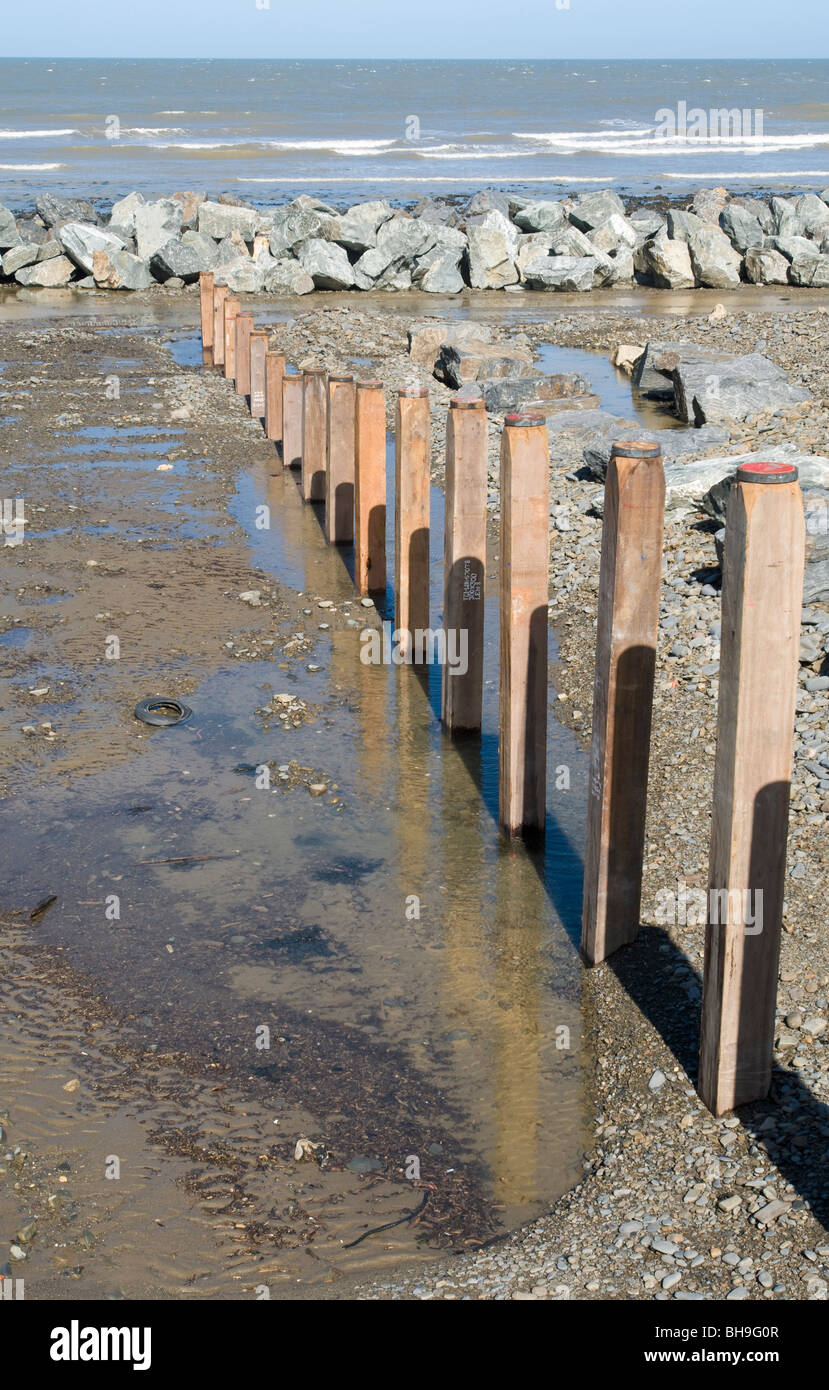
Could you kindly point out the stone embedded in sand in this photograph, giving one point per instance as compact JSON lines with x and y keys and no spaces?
{"x":327,"y":264}
{"x":766,"y":267}
{"x":561,"y":272}
{"x":715,"y":262}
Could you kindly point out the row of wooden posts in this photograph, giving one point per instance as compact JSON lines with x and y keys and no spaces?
{"x":334,"y":429}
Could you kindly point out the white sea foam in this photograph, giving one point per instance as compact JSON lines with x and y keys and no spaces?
{"x":31,"y":168}
{"x":35,"y":134}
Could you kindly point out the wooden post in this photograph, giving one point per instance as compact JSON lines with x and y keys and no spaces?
{"x":370,"y":487}
{"x":412,"y":453}
{"x":464,"y":561}
{"x":761,"y":601}
{"x":339,"y":478}
{"x":292,"y":420}
{"x":231,"y":311}
{"x":244,"y":328}
{"x":206,"y":305}
{"x":274,"y":372}
{"x":525,"y":555}
{"x":219,"y":297}
{"x":258,"y":351}
{"x":630,"y":578}
{"x":314,"y":433}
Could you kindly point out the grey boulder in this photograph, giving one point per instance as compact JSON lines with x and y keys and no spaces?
{"x":49,"y":274}
{"x":591,"y":209}
{"x":120,"y":270}
{"x":221,"y":219}
{"x":80,"y":241}
{"x":714,"y":261}
{"x":286,"y":276}
{"x":185,"y":258}
{"x":54,"y":210}
{"x":327,"y":264}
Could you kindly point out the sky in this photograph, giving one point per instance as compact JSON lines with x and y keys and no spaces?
{"x":417,"y":29}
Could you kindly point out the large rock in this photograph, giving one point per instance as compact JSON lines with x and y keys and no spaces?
{"x":488,"y":200}
{"x":674,"y":443}
{"x":292,"y":226}
{"x":54,"y":210}
{"x":681,"y":224}
{"x":787,"y":219}
{"x":230,"y":248}
{"x":654,"y":369}
{"x":491,"y":257}
{"x":80,"y":241}
{"x":714,"y":261}
{"x":120,"y":270}
{"x":708,"y":203}
{"x":122,"y":214}
{"x":17,"y":256}
{"x":9,"y":234}
{"x":811,"y":271}
{"x":666,"y":262}
{"x":244,"y":275}
{"x":400,"y":242}
{"x":220,"y":219}
{"x":438,"y":272}
{"x":457,"y":365}
{"x":155,"y":224}
{"x":541,"y":217}
{"x":646,"y":224}
{"x":327,"y":264}
{"x":190,"y":202}
{"x":741,"y":227}
{"x":288,"y":277}
{"x":503,"y":394}
{"x":615,"y":233}
{"x":766,"y":267}
{"x":591,"y":209}
{"x":792,"y":247}
{"x":357,"y":229}
{"x":814,"y":215}
{"x":426,"y":339}
{"x":50,"y":274}
{"x":574,"y":273}
{"x":185,"y":257}
{"x":717,"y":392}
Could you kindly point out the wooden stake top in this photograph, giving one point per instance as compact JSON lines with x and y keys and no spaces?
{"x":636,"y":449}
{"x":767,"y":473}
{"x":466,"y":403}
{"x":414,"y":392}
{"x":522,"y":420}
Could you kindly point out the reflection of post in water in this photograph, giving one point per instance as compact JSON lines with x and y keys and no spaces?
{"x":525,"y":1120}
{"x":373,"y":724}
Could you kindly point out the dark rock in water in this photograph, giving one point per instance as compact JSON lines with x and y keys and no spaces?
{"x":55,"y":210}
{"x":510,"y":393}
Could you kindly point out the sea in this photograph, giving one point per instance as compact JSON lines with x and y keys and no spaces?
{"x":350,"y":131}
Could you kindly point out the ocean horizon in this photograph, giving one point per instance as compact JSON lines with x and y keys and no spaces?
{"x":347,"y":131}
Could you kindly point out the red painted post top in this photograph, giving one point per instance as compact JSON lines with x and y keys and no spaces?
{"x":767,"y":473}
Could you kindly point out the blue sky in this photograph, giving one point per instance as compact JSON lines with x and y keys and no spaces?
{"x":417,"y":29}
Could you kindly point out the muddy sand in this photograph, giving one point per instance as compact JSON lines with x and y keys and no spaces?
{"x":207,"y":976}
